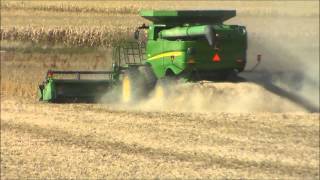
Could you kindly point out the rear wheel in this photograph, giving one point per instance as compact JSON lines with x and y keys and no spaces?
{"x":126,"y":88}
{"x":130,"y":86}
{"x":233,"y":77}
{"x":149,"y":79}
{"x":165,"y":85}
{"x":40,"y":92}
{"x":137,"y":83}
{"x":226,"y":76}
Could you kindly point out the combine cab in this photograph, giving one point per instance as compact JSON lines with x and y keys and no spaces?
{"x":188,"y":45}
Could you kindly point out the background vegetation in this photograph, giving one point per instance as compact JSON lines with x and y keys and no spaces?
{"x":54,"y":30}
{"x":100,"y":141}
{"x":99,"y":23}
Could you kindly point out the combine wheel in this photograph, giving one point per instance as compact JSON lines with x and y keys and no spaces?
{"x":149,"y":79}
{"x":164,"y":86}
{"x":233,"y":77}
{"x":40,"y":92}
{"x":160,"y":90}
{"x":227,"y":76}
{"x":128,"y":89}
{"x":137,"y":83}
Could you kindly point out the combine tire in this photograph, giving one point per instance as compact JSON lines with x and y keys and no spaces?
{"x":164,"y":86}
{"x":128,"y":87}
{"x":233,"y":77}
{"x":137,"y":83}
{"x":40,"y":92}
{"x":149,"y":79}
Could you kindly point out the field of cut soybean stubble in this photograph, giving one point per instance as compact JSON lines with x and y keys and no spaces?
{"x":97,"y":141}
{"x":203,"y":130}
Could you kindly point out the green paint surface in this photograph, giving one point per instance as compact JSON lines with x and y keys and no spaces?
{"x":178,"y":42}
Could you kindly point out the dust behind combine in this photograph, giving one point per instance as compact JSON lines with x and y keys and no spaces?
{"x":202,"y":130}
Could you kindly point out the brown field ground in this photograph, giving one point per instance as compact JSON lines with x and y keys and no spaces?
{"x":202,"y":130}
{"x":96,"y":141}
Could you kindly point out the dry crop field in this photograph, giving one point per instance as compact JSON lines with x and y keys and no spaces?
{"x":203,"y":130}
{"x":97,"y":141}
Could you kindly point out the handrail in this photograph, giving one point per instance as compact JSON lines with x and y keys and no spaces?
{"x":79,"y":72}
{"x":50,"y":73}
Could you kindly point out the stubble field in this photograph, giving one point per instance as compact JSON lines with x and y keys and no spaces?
{"x":202,"y":130}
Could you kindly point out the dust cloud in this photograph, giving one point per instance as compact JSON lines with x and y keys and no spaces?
{"x":287,"y":80}
{"x":216,"y":97}
{"x":290,"y":59}
{"x":206,"y":97}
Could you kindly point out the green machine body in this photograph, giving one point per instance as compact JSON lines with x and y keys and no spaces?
{"x":195,"y":44}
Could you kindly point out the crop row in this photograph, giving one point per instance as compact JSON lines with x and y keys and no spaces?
{"x":71,"y":8}
{"x":68,"y":36}
{"x":263,"y":8}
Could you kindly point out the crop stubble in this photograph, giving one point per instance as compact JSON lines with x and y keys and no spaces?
{"x":97,"y":141}
{"x":104,"y":141}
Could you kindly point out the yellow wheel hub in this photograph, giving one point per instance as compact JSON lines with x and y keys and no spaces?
{"x":159,"y":92}
{"x":126,"y":89}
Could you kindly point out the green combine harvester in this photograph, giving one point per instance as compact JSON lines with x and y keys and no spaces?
{"x":184,"y":45}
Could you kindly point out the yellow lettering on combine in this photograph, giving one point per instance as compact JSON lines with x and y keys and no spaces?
{"x":167,"y":54}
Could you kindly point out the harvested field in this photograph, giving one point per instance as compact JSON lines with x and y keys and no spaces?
{"x":201,"y":130}
{"x":206,"y":134}
{"x":56,"y":141}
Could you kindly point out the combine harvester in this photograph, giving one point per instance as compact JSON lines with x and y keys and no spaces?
{"x":185,"y":45}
